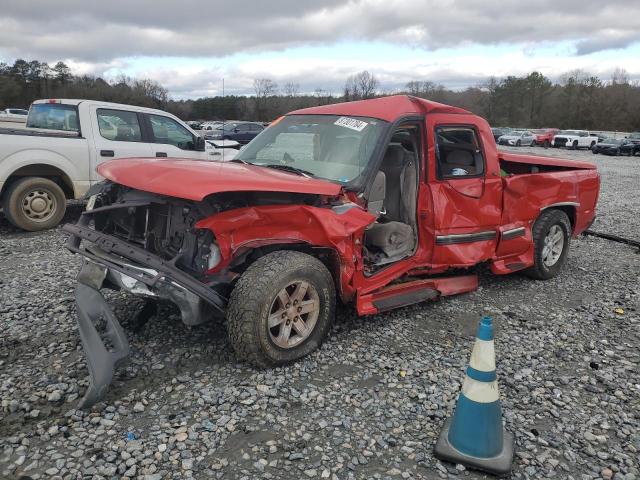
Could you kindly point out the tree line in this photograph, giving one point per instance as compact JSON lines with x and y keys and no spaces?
{"x":576,"y":100}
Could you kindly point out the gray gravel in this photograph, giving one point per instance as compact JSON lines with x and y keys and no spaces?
{"x":568,"y":367}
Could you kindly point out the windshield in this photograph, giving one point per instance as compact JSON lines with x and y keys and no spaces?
{"x":53,"y":116}
{"x":613,"y":141}
{"x":517,"y":132}
{"x":327,"y":146}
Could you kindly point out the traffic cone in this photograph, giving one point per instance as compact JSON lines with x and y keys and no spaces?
{"x":474,"y":436}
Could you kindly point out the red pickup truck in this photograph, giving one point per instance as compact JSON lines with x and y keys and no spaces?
{"x":544,"y":136}
{"x":379,"y":203}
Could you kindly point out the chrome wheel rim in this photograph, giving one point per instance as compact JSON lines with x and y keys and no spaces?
{"x":293,"y":314}
{"x":39,"y":205}
{"x":553,"y":246}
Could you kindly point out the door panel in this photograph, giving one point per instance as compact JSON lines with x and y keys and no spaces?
{"x":117,"y":134}
{"x":170,"y":139}
{"x":467,"y":208}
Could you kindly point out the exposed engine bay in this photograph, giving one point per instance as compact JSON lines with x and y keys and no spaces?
{"x":166,"y":226}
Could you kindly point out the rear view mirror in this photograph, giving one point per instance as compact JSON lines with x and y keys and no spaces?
{"x":375,"y":203}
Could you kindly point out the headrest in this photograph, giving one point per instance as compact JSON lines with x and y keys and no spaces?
{"x":460,"y":157}
{"x":394,"y":156}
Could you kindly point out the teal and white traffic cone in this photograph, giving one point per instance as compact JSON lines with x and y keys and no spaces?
{"x":475,"y":436}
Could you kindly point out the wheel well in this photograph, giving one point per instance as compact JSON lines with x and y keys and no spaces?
{"x":44,"y":171}
{"x":570,"y":210}
{"x":328,"y":256}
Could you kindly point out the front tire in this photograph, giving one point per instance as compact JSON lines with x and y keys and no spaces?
{"x":281,"y":309}
{"x":518,"y":143}
{"x":34,"y":203}
{"x":546,"y":144}
{"x":574,"y":145}
{"x":551,"y":238}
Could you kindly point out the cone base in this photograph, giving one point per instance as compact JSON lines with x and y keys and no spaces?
{"x":498,"y":465}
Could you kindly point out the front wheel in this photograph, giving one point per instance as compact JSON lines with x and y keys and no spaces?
{"x":34,"y":203}
{"x":546,"y":144}
{"x":574,"y":145}
{"x":551,"y":237}
{"x":518,"y":143}
{"x":281,"y":308}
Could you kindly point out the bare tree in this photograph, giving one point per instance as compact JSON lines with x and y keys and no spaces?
{"x":291,"y":89}
{"x":264,"y":87}
{"x":362,"y":85}
{"x":619,"y":77}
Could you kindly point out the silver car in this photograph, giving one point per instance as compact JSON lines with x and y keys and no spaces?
{"x":517,"y":138}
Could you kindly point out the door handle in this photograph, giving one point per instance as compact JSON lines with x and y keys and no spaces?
{"x":161,"y":154}
{"x":107,"y":153}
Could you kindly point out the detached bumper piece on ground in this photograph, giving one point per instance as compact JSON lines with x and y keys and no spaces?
{"x":474,"y":436}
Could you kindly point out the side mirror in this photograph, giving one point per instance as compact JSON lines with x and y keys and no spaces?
{"x":199,"y":144}
{"x":377,"y":194}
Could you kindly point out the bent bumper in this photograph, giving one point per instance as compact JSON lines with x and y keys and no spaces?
{"x":105,"y":265}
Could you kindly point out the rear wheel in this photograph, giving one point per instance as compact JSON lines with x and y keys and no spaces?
{"x":281,"y":309}
{"x":34,"y":203}
{"x":592,"y":144}
{"x":551,"y":238}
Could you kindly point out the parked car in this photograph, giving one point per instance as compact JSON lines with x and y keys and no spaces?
{"x":55,"y":157}
{"x":634,"y":138}
{"x":499,"y":131}
{"x":195,"y":125}
{"x":544,"y":136}
{"x":327,"y":205}
{"x":13,"y":118}
{"x":616,"y":146}
{"x":242,"y":132}
{"x":207,"y":126}
{"x":517,"y":138}
{"x":574,"y":139}
{"x":14,"y":114}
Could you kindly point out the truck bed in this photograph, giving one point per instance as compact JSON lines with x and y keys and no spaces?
{"x":37,"y":133}
{"x":517,"y":163}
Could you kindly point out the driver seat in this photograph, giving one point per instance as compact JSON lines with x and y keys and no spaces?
{"x":396,"y":237}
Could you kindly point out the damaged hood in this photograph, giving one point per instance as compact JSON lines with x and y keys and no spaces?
{"x":195,"y":180}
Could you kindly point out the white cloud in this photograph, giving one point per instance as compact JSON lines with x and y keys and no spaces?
{"x":109,"y":37}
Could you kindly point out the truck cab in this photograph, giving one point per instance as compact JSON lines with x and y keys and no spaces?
{"x":378,"y":204}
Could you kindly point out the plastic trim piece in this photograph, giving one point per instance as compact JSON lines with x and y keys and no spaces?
{"x":465,"y":238}
{"x":513,"y":233}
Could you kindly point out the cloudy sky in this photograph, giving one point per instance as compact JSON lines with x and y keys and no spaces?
{"x":189,"y":46}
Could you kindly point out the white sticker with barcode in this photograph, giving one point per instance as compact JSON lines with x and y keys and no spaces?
{"x":352,"y":123}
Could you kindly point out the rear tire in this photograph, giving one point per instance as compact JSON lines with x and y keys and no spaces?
{"x":551,"y":238}
{"x":266,"y":332}
{"x":34,"y":203}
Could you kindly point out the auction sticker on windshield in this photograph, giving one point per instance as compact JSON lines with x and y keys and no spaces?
{"x":352,"y":123}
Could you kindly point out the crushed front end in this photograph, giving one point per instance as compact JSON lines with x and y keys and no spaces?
{"x":145,"y":244}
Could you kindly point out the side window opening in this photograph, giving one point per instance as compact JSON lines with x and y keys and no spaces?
{"x":119,"y":125}
{"x":167,"y":131}
{"x":458,"y":152}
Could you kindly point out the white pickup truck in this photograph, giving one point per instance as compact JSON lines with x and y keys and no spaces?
{"x":574,"y":139}
{"x":54,"y":159}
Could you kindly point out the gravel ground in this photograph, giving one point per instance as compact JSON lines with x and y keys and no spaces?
{"x":369,"y":404}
